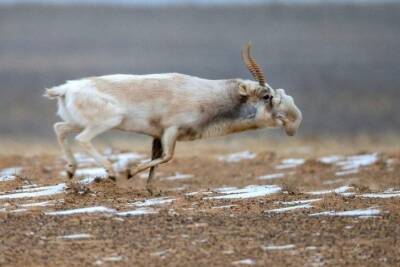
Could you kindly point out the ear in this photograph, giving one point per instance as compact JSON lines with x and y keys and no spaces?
{"x":243,"y":90}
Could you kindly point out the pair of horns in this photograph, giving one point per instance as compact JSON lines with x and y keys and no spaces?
{"x":252,"y":65}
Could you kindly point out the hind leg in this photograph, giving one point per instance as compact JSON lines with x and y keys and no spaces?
{"x":62,"y":129}
{"x":84,"y":140}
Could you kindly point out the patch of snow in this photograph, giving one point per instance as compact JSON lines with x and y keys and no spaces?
{"x":344,"y":173}
{"x":357,"y":161}
{"x":125,"y":160}
{"x":274,"y":247}
{"x":97,"y":209}
{"x":236,"y":157}
{"x":9,"y":174}
{"x":330,"y":159}
{"x":38,"y":192}
{"x":121,"y":161}
{"x":137,"y":212}
{"x":386,"y":194}
{"x":339,"y":190}
{"x":350,"y":164}
{"x":350,"y":213}
{"x":178,"y":176}
{"x":11,"y":171}
{"x":295,"y":207}
{"x":38,"y":204}
{"x":160,"y":253}
{"x":112,"y":258}
{"x":391,"y":190}
{"x":290,"y":163}
{"x":192,"y":193}
{"x":91,"y":172}
{"x":75,"y":236}
{"x":153,"y":202}
{"x":198,"y":192}
{"x":88,"y":180}
{"x":297,"y":202}
{"x":225,"y":189}
{"x":25,"y":189}
{"x":250,"y":191}
{"x":108,"y":259}
{"x":244,"y":262}
{"x":84,"y":159}
{"x":6,"y":178}
{"x":271,"y":176}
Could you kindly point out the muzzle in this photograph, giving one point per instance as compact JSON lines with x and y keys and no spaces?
{"x":292,"y":126}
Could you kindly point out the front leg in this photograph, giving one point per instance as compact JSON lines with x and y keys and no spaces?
{"x":168,"y":142}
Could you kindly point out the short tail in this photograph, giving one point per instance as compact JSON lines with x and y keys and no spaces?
{"x":55,"y":92}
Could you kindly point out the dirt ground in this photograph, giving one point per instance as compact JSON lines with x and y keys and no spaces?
{"x":210,"y":209}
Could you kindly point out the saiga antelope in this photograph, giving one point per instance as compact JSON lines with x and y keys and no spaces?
{"x":169,"y":107}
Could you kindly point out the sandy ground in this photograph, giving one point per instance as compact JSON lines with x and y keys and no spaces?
{"x":215,"y":208}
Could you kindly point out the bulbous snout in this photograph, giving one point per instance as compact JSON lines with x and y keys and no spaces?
{"x":291,"y":126}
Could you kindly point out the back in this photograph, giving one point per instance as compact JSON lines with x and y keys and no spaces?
{"x":173,"y":91}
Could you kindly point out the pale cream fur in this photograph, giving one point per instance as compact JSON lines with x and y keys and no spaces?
{"x":170,"y":107}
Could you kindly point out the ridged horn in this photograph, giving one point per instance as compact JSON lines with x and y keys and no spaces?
{"x":252,"y":65}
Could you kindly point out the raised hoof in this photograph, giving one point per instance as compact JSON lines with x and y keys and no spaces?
{"x":70,"y":174}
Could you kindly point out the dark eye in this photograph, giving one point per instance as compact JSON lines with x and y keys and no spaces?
{"x":266,"y":97}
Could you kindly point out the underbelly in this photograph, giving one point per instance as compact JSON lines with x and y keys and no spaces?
{"x":140,"y":126}
{"x":189,"y":134}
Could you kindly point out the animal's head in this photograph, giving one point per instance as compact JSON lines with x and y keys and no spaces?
{"x":274,"y":107}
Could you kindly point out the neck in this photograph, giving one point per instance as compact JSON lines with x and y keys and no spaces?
{"x":229,"y":113}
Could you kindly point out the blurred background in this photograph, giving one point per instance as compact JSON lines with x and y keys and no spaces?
{"x":339,"y":59}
